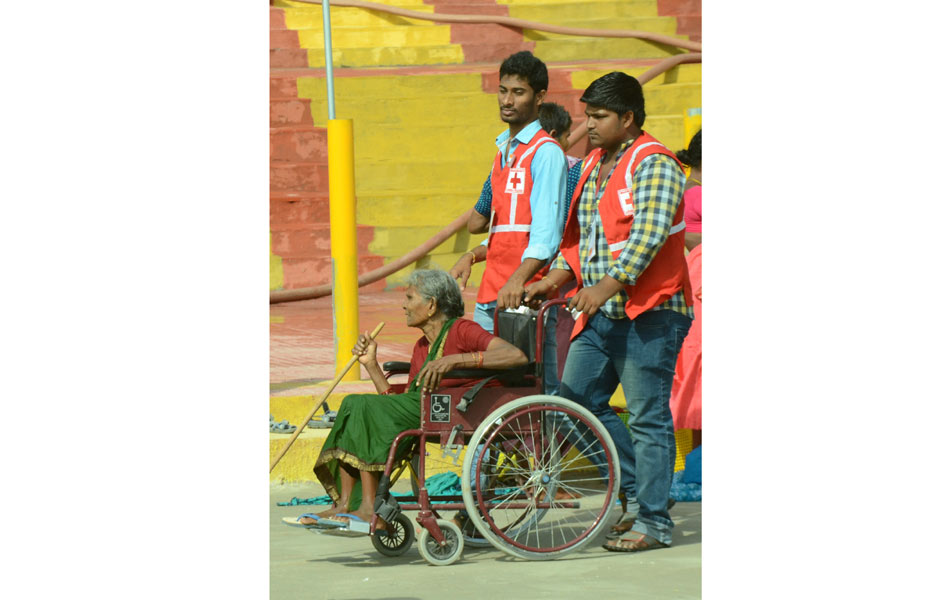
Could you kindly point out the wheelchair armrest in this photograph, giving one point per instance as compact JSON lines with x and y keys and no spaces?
{"x":395,"y":367}
{"x":512,"y":376}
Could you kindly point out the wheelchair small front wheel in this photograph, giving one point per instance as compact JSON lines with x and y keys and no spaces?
{"x":396,"y":543}
{"x":437,"y":554}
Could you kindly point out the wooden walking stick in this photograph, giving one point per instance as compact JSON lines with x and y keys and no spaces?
{"x":322,"y":401}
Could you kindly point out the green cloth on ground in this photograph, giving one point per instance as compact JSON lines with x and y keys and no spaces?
{"x":443,"y":484}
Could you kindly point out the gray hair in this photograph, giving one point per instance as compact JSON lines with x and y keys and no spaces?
{"x":436,"y":284}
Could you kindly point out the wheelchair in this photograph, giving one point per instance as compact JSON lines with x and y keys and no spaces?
{"x":540,"y":473}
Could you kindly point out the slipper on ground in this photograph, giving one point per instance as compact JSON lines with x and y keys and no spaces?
{"x":282,"y":427}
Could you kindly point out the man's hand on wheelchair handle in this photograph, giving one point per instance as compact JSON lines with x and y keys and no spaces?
{"x":536,"y":293}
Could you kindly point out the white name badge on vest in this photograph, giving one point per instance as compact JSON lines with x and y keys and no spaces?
{"x":625,"y":204}
{"x":515,"y":184}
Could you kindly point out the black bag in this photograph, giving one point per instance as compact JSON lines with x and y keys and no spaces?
{"x":519,"y":330}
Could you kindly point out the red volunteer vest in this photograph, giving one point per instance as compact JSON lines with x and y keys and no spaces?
{"x":510,"y":224}
{"x":667,"y":273}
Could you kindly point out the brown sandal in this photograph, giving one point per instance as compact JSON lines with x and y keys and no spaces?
{"x":637,"y":544}
{"x":621,"y":527}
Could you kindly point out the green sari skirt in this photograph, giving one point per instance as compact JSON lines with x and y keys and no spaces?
{"x":362,"y":433}
{"x":365,"y":428}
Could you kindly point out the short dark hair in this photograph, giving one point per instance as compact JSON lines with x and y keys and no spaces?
{"x":554,"y":117}
{"x":693,"y":156}
{"x":528,"y":66}
{"x":618,"y":92}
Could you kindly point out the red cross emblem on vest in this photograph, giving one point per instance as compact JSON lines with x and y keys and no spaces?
{"x":626,"y":206}
{"x":515,"y":184}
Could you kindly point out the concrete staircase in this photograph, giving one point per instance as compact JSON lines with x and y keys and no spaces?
{"x":422,"y":99}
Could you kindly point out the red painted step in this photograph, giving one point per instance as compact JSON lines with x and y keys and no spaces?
{"x":296,"y":241}
{"x":298,"y":208}
{"x":277,"y":19}
{"x":296,"y":144}
{"x":282,"y":87}
{"x":691,"y":25}
{"x":298,"y":177}
{"x":290,"y":111}
{"x":311,"y":272}
{"x":288,"y":58}
{"x":284,"y":38}
{"x":679,"y":7}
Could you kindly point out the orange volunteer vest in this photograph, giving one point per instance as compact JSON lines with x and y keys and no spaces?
{"x":667,"y":273}
{"x":510,"y":223}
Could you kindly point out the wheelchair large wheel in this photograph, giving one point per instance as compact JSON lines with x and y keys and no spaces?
{"x":397,"y":543}
{"x":547,"y":477}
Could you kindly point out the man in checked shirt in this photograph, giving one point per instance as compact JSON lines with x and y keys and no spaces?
{"x":623,"y":244}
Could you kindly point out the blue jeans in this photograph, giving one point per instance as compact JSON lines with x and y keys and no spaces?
{"x":640,"y":355}
{"x":485,"y":314}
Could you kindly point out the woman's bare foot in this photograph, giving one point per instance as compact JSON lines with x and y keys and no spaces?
{"x":366,"y":516}
{"x":336,"y":508}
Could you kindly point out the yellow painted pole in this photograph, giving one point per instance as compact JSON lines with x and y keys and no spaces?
{"x":343,"y":241}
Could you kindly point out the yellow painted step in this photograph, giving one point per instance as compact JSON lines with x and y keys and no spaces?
{"x":312,"y":17}
{"x":571,"y":12}
{"x":397,"y":241}
{"x":421,"y":177}
{"x":672,"y":98}
{"x":584,"y":48}
{"x":663,"y":25}
{"x":435,"y":110}
{"x":395,"y":86}
{"x":293,"y":3}
{"x":276,"y":271}
{"x":441,"y":261}
{"x":435,"y":184}
{"x":389,"y":56}
{"x":666,"y":128}
{"x":372,"y":37}
{"x":688,"y":73}
{"x":404,"y":209}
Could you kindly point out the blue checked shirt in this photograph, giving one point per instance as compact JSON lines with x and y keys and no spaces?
{"x":657,"y":190}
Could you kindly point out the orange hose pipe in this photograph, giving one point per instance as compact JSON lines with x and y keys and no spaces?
{"x":376,"y":274}
{"x":520,"y":23}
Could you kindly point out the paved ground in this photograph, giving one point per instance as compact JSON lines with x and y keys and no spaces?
{"x":306,"y":564}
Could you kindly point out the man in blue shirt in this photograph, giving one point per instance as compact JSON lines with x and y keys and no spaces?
{"x":523,"y":82}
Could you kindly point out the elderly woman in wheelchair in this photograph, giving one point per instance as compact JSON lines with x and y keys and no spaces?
{"x":356,"y":449}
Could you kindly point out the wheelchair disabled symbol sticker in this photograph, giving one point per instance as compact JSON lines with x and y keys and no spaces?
{"x":439,"y":408}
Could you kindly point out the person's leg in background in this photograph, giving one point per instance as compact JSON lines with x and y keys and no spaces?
{"x":485,"y":315}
